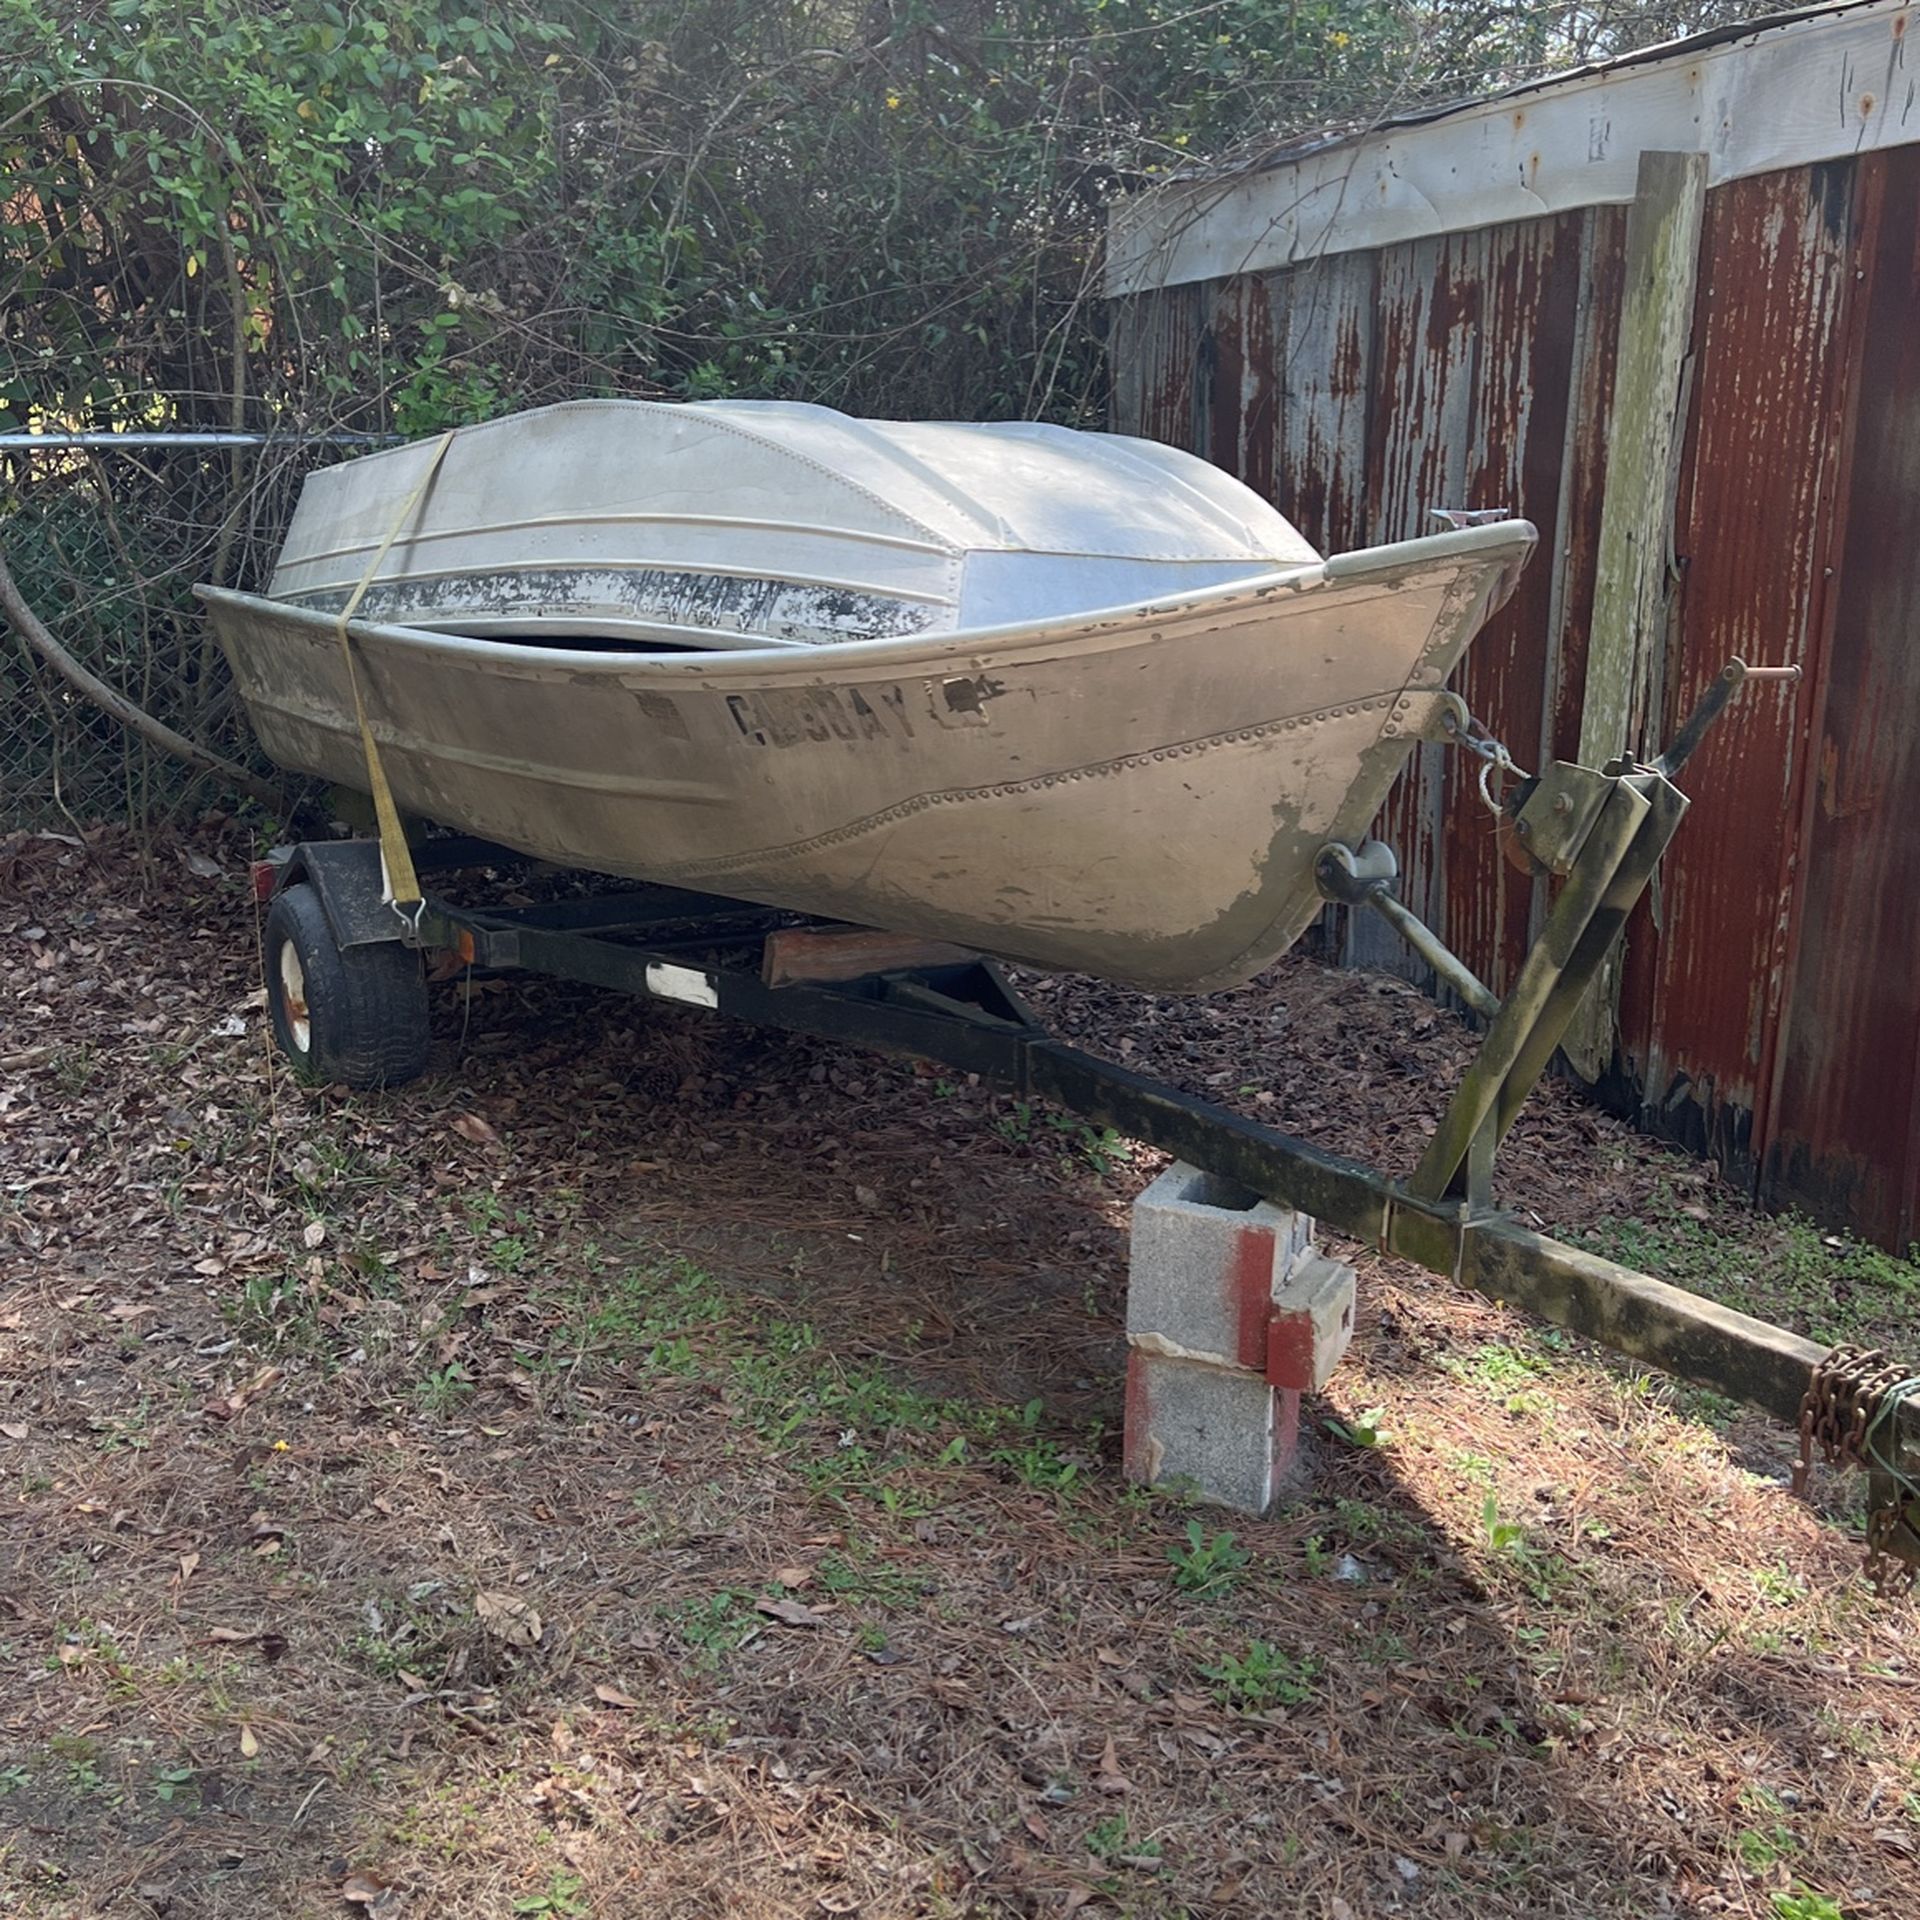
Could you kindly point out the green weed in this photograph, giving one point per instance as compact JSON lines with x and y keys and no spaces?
{"x":1803,"y":1904}
{"x":563,"y":1897}
{"x":1264,"y":1676}
{"x":1208,"y":1566}
{"x":442,"y":1390}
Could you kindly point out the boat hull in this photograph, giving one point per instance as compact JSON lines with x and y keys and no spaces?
{"x":1137,"y":794}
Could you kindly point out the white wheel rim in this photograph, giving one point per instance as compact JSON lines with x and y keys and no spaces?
{"x":293,"y":997}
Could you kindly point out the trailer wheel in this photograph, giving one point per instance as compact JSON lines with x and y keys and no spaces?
{"x":356,"y":1015}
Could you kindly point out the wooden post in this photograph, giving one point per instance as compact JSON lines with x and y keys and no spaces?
{"x":1626,"y":643}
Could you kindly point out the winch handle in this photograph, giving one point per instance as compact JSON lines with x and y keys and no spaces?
{"x":1709,"y":707}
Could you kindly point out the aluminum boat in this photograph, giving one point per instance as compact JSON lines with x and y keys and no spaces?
{"x":1072,"y":699}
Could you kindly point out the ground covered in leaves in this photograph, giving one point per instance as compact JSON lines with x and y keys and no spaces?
{"x":659,"y":1468}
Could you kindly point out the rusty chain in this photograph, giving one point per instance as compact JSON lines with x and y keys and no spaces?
{"x":1853,"y":1394}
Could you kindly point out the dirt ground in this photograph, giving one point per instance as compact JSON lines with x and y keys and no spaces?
{"x":655,"y":1468}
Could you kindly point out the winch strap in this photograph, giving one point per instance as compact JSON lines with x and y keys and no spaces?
{"x":402,"y":884}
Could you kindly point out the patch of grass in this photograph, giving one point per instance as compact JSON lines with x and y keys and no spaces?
{"x":1760,"y":1848}
{"x":74,"y":1068}
{"x":715,"y":1624}
{"x":1512,"y":1374}
{"x":1263,"y":1676}
{"x":1112,"y":1843}
{"x":852,"y":1576}
{"x":1039,"y":1463}
{"x":1826,"y":1285}
{"x":1208,"y":1565}
{"x":79,"y":1759}
{"x":277,"y":1309}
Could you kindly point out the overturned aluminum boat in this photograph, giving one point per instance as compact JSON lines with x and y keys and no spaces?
{"x":1073,"y":699}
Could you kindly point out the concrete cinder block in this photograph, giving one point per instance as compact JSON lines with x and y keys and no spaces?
{"x":1311,"y":1323}
{"x":1206,"y":1259}
{"x":1222,"y":1430}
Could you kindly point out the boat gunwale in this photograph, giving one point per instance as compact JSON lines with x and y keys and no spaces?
{"x":970,"y":646}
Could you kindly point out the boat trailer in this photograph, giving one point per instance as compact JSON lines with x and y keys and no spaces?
{"x":348,"y":996}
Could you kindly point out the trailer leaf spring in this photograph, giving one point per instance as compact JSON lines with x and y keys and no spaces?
{"x":1851,"y":1403}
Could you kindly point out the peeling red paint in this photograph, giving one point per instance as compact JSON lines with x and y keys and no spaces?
{"x":1137,"y":1422}
{"x":1251,"y":1280}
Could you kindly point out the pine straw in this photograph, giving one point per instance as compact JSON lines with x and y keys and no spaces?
{"x":1600,"y":1663}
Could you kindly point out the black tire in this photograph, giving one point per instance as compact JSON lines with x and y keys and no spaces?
{"x":358,"y":1017}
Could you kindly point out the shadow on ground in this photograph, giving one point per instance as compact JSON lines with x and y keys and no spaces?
{"x":656,"y":1468}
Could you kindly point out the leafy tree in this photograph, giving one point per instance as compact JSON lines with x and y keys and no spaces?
{"x":326,"y":215}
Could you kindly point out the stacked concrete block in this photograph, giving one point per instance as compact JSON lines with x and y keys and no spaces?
{"x":1231,"y":1315}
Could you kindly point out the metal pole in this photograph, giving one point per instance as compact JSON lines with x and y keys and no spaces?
{"x":125,"y":442}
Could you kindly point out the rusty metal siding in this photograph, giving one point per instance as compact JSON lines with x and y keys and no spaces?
{"x":1158,"y":369}
{"x":1705,"y":969}
{"x":1843,"y":1126}
{"x":1475,"y":338}
{"x":1324,"y":336}
{"x":1770,"y":1001}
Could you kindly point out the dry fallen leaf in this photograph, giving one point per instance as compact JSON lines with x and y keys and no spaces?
{"x":14,"y":1429}
{"x":507,"y":1617}
{"x":469,"y":1126}
{"x":364,"y":1889}
{"x":791,"y":1577}
{"x":188,"y":1561}
{"x":249,"y":1743}
{"x":313,"y":1234}
{"x":614,"y":1697}
{"x":1110,"y":1779}
{"x":790,"y":1613}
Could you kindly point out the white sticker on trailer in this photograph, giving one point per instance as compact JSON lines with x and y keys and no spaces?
{"x":682,"y":983}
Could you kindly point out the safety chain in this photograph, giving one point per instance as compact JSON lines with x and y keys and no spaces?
{"x":1854,"y":1393}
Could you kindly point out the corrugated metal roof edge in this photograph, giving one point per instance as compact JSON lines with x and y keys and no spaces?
{"x":1214,"y":222}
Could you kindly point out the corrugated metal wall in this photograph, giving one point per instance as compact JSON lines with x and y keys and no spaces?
{"x":1770,"y":997}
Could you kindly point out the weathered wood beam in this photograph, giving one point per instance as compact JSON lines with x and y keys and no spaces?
{"x":1626,"y":641}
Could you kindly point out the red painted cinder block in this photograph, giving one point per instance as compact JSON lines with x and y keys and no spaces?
{"x":1310,"y":1323}
{"x":1221,"y":1431}
{"x":1249,"y":1283}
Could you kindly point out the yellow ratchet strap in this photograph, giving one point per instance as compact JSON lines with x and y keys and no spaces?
{"x":402,"y":884}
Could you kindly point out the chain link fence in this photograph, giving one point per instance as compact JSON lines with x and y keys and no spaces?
{"x":106,"y":544}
